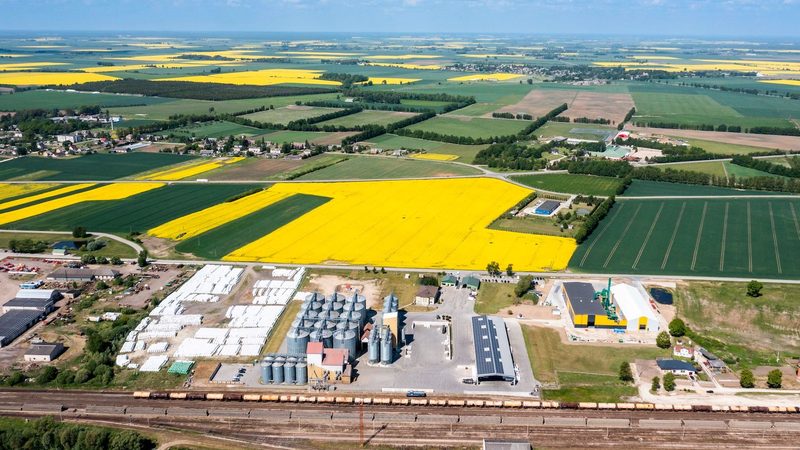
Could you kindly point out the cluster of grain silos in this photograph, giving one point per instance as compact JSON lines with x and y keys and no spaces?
{"x":380,"y":345}
{"x":284,"y":369}
{"x":336,"y":320}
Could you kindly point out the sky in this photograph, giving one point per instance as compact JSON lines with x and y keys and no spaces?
{"x":733,"y":18}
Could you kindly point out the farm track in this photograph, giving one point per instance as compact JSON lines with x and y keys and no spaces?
{"x":280,"y":425}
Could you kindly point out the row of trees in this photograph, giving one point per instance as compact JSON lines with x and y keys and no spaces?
{"x":588,"y":226}
{"x":765,"y":166}
{"x":48,"y":434}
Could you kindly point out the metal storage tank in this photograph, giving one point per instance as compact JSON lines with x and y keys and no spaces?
{"x":337,"y":306}
{"x":266,"y":370}
{"x":345,"y":339}
{"x":360,"y":317}
{"x":289,"y":372}
{"x":374,"y":346}
{"x":297,"y":323}
{"x":308,"y":323}
{"x":330,"y":325}
{"x":315,"y":306}
{"x":315,"y":336}
{"x":311,"y":314}
{"x":355,"y":326}
{"x":341,"y":325}
{"x":386,"y":346}
{"x":277,"y":372}
{"x":297,"y":341}
{"x":320,"y":324}
{"x":359,"y":307}
{"x":327,"y":338}
{"x":348,"y":306}
{"x":336,"y":297}
{"x":301,"y":373}
{"x":333,"y":315}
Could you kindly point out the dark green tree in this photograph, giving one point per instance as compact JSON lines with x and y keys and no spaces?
{"x":677,"y":327}
{"x":142,"y":259}
{"x":625,"y":373}
{"x":746,"y":379}
{"x":655,"y":386}
{"x":79,"y":232}
{"x":669,"y":382}
{"x":774,"y":379}
{"x":663,"y":340}
{"x":754,"y":288}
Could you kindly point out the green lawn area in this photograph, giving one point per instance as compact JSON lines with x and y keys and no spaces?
{"x":111,"y":249}
{"x":587,"y":131}
{"x":97,"y":166}
{"x":288,"y":114}
{"x":742,"y":328}
{"x":572,"y":183}
{"x":218,"y":242}
{"x":220,"y":129}
{"x":531,"y":225}
{"x":466,"y":153}
{"x":724,"y":148}
{"x":718,"y":168}
{"x":376,"y":167}
{"x":470,"y":127}
{"x":367,"y":117}
{"x":311,"y":164}
{"x":583,"y":372}
{"x":281,"y":327}
{"x":493,"y":298}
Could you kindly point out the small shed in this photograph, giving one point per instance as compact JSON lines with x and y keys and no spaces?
{"x":471,"y":282}
{"x":44,"y":352}
{"x":675,"y":366}
{"x":450,"y":280}
{"x":547,"y":207}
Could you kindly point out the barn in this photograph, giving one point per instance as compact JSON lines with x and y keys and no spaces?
{"x":547,"y":207}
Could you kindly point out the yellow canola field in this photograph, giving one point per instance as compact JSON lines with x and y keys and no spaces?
{"x":402,"y":57}
{"x":392,"y":80}
{"x":490,"y":55}
{"x":127,"y":67}
{"x":10,"y":67}
{"x":116,"y":191}
{"x":413,"y":223}
{"x":14,"y":190}
{"x":435,"y":156}
{"x":486,"y":77}
{"x":201,"y":221}
{"x":260,"y":77}
{"x":188,"y":170}
{"x":762,"y":67}
{"x":43,"y":196}
{"x":784,"y":82}
{"x":406,"y":65}
{"x":41,"y":78}
{"x":319,"y":54}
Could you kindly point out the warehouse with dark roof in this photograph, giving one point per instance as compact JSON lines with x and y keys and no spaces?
{"x":586,"y":310}
{"x":493,"y":359}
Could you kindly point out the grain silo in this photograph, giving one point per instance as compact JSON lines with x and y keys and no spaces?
{"x":386,"y":346}
{"x":277,"y":371}
{"x":374,"y":346}
{"x":346,"y":340}
{"x":289,"y":370}
{"x":301,"y":372}
{"x":266,"y":370}
{"x":297,"y":341}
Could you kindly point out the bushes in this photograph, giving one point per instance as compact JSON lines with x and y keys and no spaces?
{"x":594,"y":219}
{"x":48,"y":434}
{"x":27,"y":246}
{"x":766,"y":166}
{"x":511,"y":156}
{"x":663,"y":340}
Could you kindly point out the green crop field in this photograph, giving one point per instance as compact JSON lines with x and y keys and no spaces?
{"x":576,"y":130}
{"x":288,"y":114}
{"x":724,"y":148}
{"x":220,"y":129}
{"x":376,"y":167}
{"x":756,"y":237}
{"x":723,"y":169}
{"x":640,"y":188}
{"x":60,"y":100}
{"x":220,"y":241}
{"x":471,"y":127}
{"x":97,"y":166}
{"x":313,"y":137}
{"x":367,"y":117}
{"x":466,"y":153}
{"x":137,"y":213}
{"x":571,"y":183}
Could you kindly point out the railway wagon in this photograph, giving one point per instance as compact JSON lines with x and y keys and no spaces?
{"x":177,"y":395}
{"x":196,"y":396}
{"x":232,"y":397}
{"x":141,"y":394}
{"x":569,"y":405}
{"x":702,"y":408}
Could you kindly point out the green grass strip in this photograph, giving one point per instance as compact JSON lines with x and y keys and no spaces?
{"x":218,"y":242}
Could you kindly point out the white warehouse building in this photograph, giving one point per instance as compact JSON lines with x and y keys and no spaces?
{"x":635,"y":307}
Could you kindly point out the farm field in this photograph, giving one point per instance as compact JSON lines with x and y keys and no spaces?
{"x":219,"y":241}
{"x":367,"y":117}
{"x":61,"y":99}
{"x":755,"y":237}
{"x":140,"y":212}
{"x":48,"y":78}
{"x":466,"y":153}
{"x":377,"y":167}
{"x":313,"y":137}
{"x":640,"y":188}
{"x":724,"y":169}
{"x":191,"y":169}
{"x":725,"y":148}
{"x":763,"y":141}
{"x":389,"y":224}
{"x":264,"y":77}
{"x":470,"y":127}
{"x":575,"y":130}
{"x":571,"y":183}
{"x":288,"y":114}
{"x":255,"y":169}
{"x":97,"y":166}
{"x":581,"y":103}
{"x":217,"y":130}
{"x":310,"y":165}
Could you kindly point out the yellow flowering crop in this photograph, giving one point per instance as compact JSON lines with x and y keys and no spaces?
{"x":114,"y":191}
{"x":41,"y":78}
{"x":14,"y":190}
{"x":406,"y":65}
{"x":733,"y":65}
{"x":486,"y":77}
{"x":44,"y":195}
{"x":784,"y":82}
{"x":260,"y":77}
{"x":402,"y":57}
{"x":214,"y":216}
{"x":435,"y":156}
{"x":392,"y":80}
{"x":189,"y":170}
{"x":411,"y":223}
{"x":10,"y":67}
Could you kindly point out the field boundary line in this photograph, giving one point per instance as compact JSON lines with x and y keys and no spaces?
{"x":647,"y":238}
{"x":796,"y":224}
{"x":725,"y":170}
{"x":699,"y":235}
{"x":724,"y":239}
{"x":622,"y":236}
{"x":749,"y":240}
{"x":775,"y":239}
{"x":674,"y":233}
{"x":608,"y":225}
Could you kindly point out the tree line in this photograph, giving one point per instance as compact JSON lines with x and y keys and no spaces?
{"x":588,"y":226}
{"x":766,"y":166}
{"x":48,"y":434}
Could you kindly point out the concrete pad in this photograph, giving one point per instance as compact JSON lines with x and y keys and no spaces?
{"x":565,"y":421}
{"x":92,"y":409}
{"x":45,"y":407}
{"x":145,"y":411}
{"x":228,"y":412}
{"x":523,"y":420}
{"x":705,"y":424}
{"x":271,"y":415}
{"x":749,"y":425}
{"x":664,"y":424}
{"x":437,"y":418}
{"x":608,"y":423}
{"x":383,"y":417}
{"x":187,"y":412}
{"x":311,"y":415}
{"x":480,"y":420}
{"x":787,"y":426}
